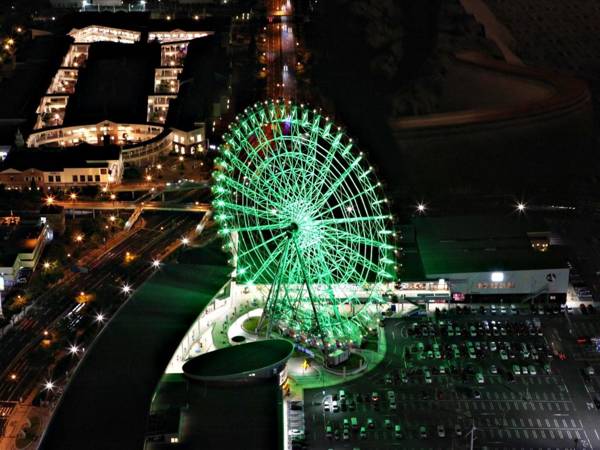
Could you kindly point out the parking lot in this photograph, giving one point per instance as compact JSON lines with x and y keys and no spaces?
{"x":519,"y":379}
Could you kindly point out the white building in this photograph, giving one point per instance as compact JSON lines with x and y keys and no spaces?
{"x":483,"y":258}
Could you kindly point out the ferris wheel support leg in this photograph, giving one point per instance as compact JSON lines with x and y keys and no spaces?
{"x":310,"y":295}
{"x":267,"y":314}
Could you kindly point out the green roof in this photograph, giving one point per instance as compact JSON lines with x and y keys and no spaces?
{"x":465,"y":244}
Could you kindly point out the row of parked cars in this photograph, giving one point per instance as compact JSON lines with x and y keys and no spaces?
{"x":351,"y":427}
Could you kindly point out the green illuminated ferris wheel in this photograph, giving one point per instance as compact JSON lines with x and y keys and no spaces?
{"x":306,"y":220}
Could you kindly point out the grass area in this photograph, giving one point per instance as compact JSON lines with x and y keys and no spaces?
{"x":250,"y":324}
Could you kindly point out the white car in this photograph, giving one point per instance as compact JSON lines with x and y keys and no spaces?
{"x":441,"y":431}
{"x":493,"y":370}
{"x":532,"y":370}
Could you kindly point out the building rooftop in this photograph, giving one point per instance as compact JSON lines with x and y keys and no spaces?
{"x":465,"y":244}
{"x":15,"y":239}
{"x":204,"y":79}
{"x":115,"y":84}
{"x":50,"y":159}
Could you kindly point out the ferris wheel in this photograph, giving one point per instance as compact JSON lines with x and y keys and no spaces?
{"x":305,"y":218}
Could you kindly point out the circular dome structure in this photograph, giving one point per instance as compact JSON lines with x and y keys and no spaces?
{"x":304,"y":215}
{"x":241,"y":363}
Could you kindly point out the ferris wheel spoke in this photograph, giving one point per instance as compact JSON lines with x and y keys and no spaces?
{"x":347,"y":220}
{"x":256,"y":196}
{"x":357,"y":238}
{"x":268,"y":216}
{"x":338,"y":206}
{"x":339,"y":181}
{"x":367,"y":263}
{"x":279,"y":226}
{"x":276,"y":252}
{"x":256,"y":248}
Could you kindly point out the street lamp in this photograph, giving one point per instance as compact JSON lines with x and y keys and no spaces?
{"x":49,"y":200}
{"x":73,"y":349}
{"x":521,"y":207}
{"x":99,"y":318}
{"x":421,"y":207}
{"x":79,"y":238}
{"x":156,"y":263}
{"x":126,"y":289}
{"x":185,"y":241}
{"x":46,"y":265}
{"x":73,"y":196}
{"x":48,"y":385}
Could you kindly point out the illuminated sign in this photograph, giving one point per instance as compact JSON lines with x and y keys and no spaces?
{"x":497,"y":277}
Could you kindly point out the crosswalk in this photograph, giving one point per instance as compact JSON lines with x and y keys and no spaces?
{"x":6,"y":409}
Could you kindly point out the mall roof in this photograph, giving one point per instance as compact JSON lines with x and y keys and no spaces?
{"x":47,"y":159}
{"x":466,"y":244}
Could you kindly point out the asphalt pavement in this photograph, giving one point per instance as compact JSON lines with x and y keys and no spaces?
{"x":545,"y":410}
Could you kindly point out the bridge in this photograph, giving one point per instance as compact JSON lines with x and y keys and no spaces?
{"x":145,"y":206}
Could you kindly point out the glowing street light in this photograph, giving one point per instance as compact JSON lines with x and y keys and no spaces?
{"x":46,"y":265}
{"x":126,"y":289}
{"x":73,"y":196}
{"x":79,"y":238}
{"x":73,"y":349}
{"x":48,"y":385}
{"x":99,"y":318}
{"x":185,"y":241}
{"x":49,"y":200}
{"x":521,"y":207}
{"x":149,"y":178}
{"x":156,"y":263}
{"x":113,"y":197}
{"x":112,"y":218}
{"x":421,"y":207}
{"x":13,"y":376}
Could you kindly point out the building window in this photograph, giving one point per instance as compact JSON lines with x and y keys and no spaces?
{"x":103,"y":171}
{"x":74,"y":178}
{"x":58,"y":180}
{"x":82,"y":178}
{"x":90,"y":178}
{"x":97,"y":177}
{"x":50,"y":178}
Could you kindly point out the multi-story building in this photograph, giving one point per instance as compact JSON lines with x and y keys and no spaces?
{"x":74,"y":166}
{"x":21,"y":246}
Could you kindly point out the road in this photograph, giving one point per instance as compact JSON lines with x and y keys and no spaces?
{"x":281,"y":50}
{"x":105,"y":272}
